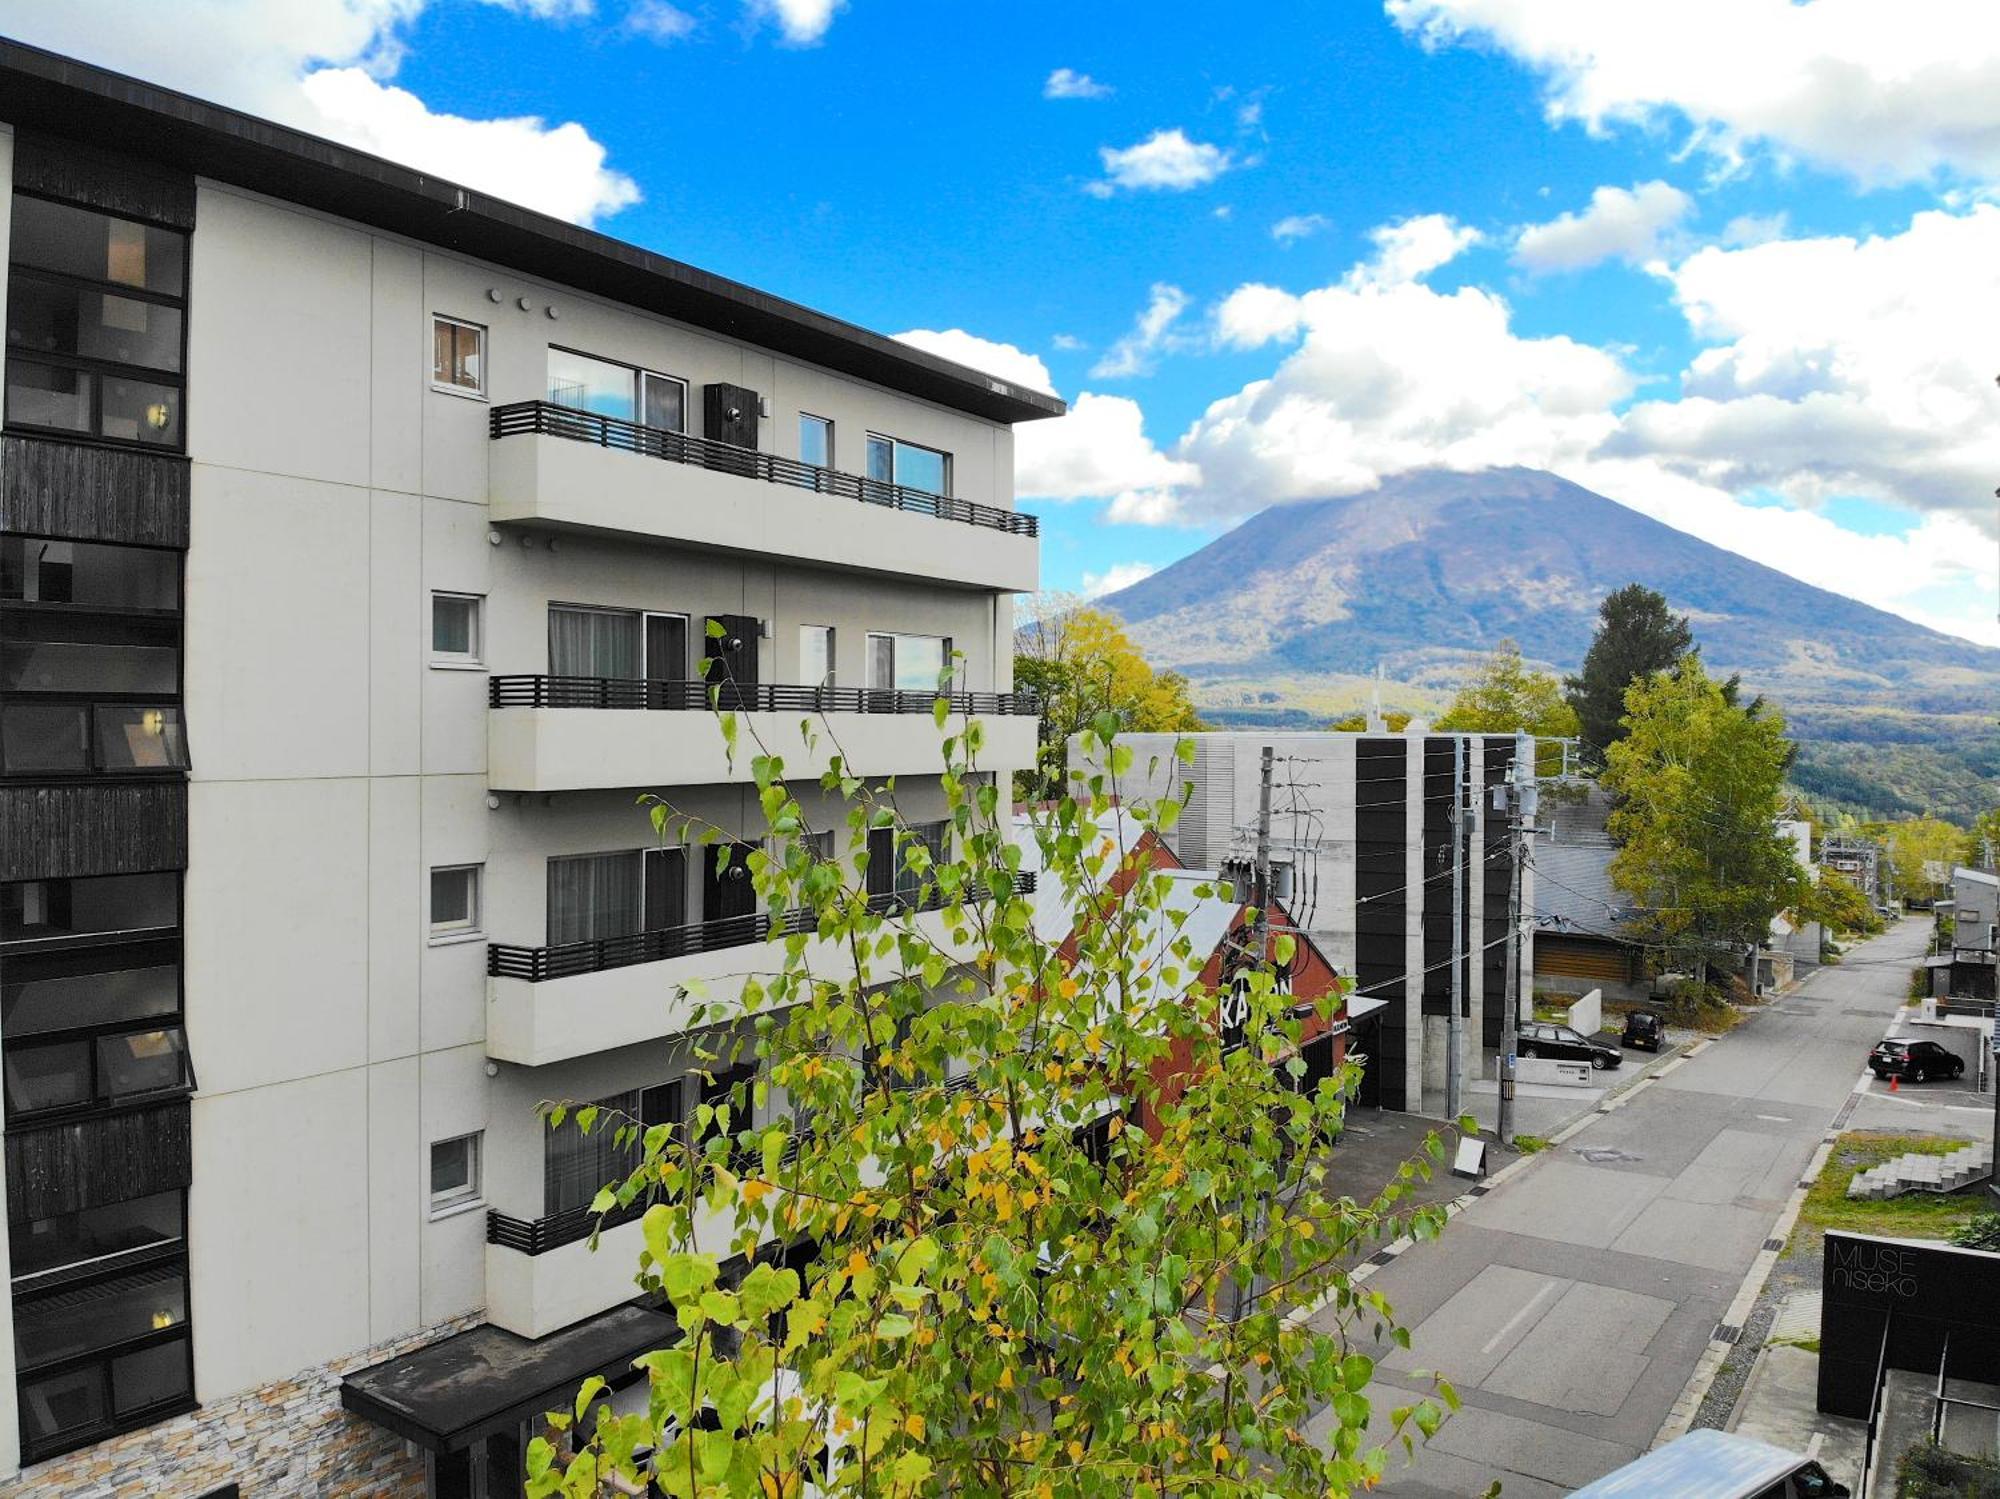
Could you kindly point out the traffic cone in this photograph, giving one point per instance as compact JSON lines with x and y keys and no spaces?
{"x":1895,"y":1084}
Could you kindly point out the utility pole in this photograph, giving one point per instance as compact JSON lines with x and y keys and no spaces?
{"x":1453,"y":1035}
{"x":1260,"y":941}
{"x":1521,"y":798}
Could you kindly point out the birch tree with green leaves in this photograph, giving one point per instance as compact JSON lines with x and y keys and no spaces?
{"x":989,"y":1253}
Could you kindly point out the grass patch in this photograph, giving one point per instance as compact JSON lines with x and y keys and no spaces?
{"x":1914,"y":1215}
{"x":1810,"y":1345}
{"x":1530,"y":1144}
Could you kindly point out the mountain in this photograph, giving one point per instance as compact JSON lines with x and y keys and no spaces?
{"x":1279,"y":619}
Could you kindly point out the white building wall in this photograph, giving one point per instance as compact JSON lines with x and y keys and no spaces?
{"x":334,"y":766}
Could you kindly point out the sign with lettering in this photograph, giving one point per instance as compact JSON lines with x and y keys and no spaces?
{"x":1894,"y":1303}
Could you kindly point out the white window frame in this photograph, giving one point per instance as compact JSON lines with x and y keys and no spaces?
{"x":868,"y":657}
{"x":832,"y":675}
{"x":639,"y":399}
{"x":472,"y":660}
{"x":453,"y":1201}
{"x":824,"y":421}
{"x":896,"y":444}
{"x":473,"y":928}
{"x":473,"y":393}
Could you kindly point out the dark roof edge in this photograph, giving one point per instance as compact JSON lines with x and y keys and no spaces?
{"x":42,"y":90}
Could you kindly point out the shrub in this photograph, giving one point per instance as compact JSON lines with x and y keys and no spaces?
{"x":1981,"y":1231}
{"x":1928,"y":1471}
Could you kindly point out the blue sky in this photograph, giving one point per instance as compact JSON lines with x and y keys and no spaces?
{"x":1730,"y":293}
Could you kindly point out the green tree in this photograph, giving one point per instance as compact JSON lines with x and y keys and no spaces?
{"x":1923,"y":852}
{"x":1393,"y":722}
{"x":1080,"y":662}
{"x":1696,"y":781}
{"x":1505,"y":696}
{"x":1985,"y":840}
{"x":1025,"y":1262}
{"x":1637,"y":635}
{"x":1837,"y":903}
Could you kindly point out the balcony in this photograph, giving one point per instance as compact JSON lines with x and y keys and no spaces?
{"x":580,"y":733}
{"x":548,"y":1004}
{"x":577,"y":470}
{"x":541,"y":1273}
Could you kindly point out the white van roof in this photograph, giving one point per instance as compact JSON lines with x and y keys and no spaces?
{"x":1704,"y":1464}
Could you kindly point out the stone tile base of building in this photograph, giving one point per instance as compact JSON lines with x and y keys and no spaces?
{"x":289,"y":1438}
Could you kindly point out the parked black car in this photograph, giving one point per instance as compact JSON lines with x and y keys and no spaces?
{"x":1560,"y":1043}
{"x":1643,"y":1031}
{"x":1913,"y":1061}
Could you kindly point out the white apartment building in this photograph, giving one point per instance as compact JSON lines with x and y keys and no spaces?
{"x":1361,"y":829}
{"x":359,"y":539}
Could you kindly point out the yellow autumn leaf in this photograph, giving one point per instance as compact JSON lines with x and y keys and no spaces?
{"x":756,"y":1190}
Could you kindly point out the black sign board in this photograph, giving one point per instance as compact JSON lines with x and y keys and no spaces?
{"x":1892,"y":1303}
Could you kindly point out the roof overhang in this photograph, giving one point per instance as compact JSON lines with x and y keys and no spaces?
{"x":44,"y":91}
{"x":472,"y":1384}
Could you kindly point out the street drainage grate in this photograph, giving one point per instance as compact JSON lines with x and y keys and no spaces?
{"x":1605,"y":1156}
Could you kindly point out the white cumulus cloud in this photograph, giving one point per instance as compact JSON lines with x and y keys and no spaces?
{"x":1298,"y":226}
{"x":1100,"y":451}
{"x":1837,"y":365}
{"x":559,"y":169}
{"x":968,"y":349}
{"x":1620,"y":224}
{"x":1166,"y":160}
{"x":800,"y":22}
{"x":658,"y":19}
{"x":1067,"y":83}
{"x":327,"y":68}
{"x":1118,"y":575}
{"x":1152,"y":333}
{"x":1883,"y":92}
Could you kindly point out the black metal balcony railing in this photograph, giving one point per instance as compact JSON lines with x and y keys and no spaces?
{"x":696,"y":694}
{"x":568,"y":959}
{"x":544,"y":419}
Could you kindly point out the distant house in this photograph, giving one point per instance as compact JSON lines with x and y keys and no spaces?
{"x":1201,"y":906}
{"x":1581,"y":918}
{"x":1963,"y":966}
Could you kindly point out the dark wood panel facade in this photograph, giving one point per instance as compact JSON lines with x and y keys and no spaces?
{"x":91,"y":1162}
{"x":58,"y":832}
{"x":1382,"y":896}
{"x":51,"y":166}
{"x":88,"y":492}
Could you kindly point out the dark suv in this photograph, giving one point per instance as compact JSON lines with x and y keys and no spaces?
{"x":1560,"y":1043}
{"x":1913,"y":1061}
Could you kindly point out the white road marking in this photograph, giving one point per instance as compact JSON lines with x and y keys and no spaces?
{"x":1775,"y":1118}
{"x":1812,"y":1447}
{"x":1515,"y":1320}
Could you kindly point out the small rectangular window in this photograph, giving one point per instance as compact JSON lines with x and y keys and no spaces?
{"x":455,"y":629}
{"x":815,"y":440}
{"x":455,"y":901}
{"x":816,"y":655}
{"x":458,"y":361}
{"x":663,"y":401}
{"x":454,"y":1174}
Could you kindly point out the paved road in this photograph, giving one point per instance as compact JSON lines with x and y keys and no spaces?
{"x":1570,"y":1306}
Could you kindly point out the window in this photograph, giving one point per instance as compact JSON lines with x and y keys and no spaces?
{"x":576,"y":1164}
{"x":816,"y":655}
{"x":458,"y":357}
{"x":454,"y":1174}
{"x":588,"y":642}
{"x":121,"y":1230}
{"x":593,"y":897}
{"x":455,"y":902}
{"x":907,"y":663}
{"x":888,"y":870}
{"x":583,"y":382}
{"x":893,"y":461}
{"x":49,"y":911}
{"x":815,"y":440}
{"x":455,"y":629}
{"x":96,"y":308}
{"x":36,"y":570}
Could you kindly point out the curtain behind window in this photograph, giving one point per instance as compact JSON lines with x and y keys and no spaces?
{"x":594,"y":643}
{"x":593,"y":896}
{"x":575,"y":1165}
